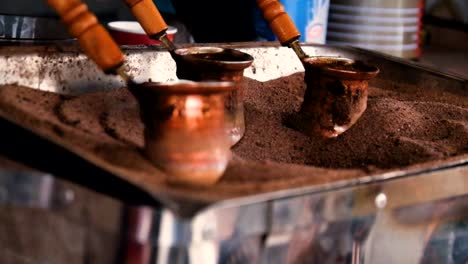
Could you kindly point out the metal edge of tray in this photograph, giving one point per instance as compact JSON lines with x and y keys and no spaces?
{"x":444,"y":167}
{"x":414,"y":64}
{"x":283,"y":215}
{"x":267,"y":65}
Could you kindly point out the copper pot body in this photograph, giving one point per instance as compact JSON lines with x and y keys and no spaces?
{"x":336,"y":94}
{"x":185,"y":129}
{"x":218,"y":64}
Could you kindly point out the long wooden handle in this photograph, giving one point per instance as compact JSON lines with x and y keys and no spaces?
{"x":94,"y":39}
{"x":147,"y":14}
{"x":280,"y":22}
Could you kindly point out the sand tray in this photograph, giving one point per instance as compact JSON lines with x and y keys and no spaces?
{"x":411,"y":125}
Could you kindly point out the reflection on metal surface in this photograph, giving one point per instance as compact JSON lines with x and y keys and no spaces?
{"x":381,"y":200}
{"x":399,"y":221}
{"x":31,"y":28}
{"x":29,"y":189}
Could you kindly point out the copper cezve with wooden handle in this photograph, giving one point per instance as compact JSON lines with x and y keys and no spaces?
{"x":324,"y":111}
{"x":192,"y":111}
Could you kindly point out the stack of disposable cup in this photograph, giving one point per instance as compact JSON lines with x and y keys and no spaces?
{"x":391,"y":27}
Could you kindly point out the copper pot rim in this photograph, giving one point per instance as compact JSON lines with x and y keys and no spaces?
{"x":186,"y":87}
{"x":359,"y":71}
{"x":240,"y":60}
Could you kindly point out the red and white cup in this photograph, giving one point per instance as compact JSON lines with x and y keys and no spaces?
{"x":131,"y":33}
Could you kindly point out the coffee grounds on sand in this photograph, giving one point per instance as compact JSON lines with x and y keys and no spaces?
{"x":394,"y":131}
{"x":403,"y":125}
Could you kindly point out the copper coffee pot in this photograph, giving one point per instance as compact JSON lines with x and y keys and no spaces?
{"x":336,"y":93}
{"x":201,"y":63}
{"x":194,"y":111}
{"x":335,"y":97}
{"x":185,"y":128}
{"x":219,"y":64}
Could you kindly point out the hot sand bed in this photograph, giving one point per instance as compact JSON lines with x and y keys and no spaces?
{"x":403,"y":125}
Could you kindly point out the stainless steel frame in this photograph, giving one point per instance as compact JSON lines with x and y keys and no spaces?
{"x":29,"y":28}
{"x":395,"y":217}
{"x":393,"y":221}
{"x":33,"y":189}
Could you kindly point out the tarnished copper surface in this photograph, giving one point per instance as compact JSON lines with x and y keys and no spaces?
{"x":185,"y":128}
{"x":336,"y":95}
{"x":212,"y":63}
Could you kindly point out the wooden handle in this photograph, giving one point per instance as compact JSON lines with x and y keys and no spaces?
{"x":148,"y":16}
{"x":94,"y":39}
{"x":280,"y":22}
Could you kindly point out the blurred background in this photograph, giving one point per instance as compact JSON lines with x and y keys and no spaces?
{"x":398,"y":27}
